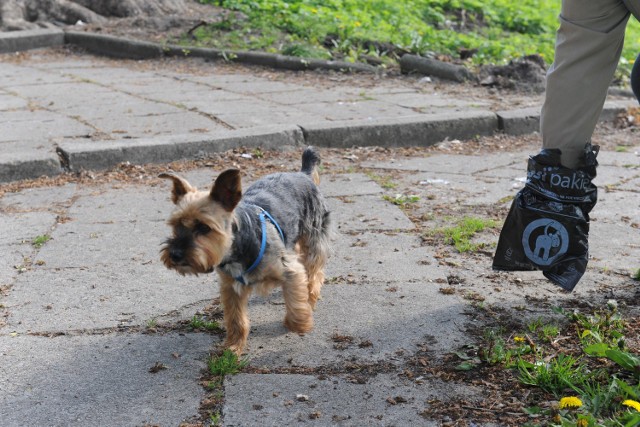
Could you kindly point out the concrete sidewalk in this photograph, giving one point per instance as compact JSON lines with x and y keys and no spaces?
{"x":86,"y":315}
{"x":72,"y":112}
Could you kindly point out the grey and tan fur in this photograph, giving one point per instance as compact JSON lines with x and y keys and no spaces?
{"x":221,"y":230}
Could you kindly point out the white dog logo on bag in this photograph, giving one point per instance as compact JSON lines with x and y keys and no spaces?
{"x":545,"y":240}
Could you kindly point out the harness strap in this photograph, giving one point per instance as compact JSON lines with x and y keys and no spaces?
{"x":263,"y":244}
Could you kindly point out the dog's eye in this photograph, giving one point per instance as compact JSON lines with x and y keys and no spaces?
{"x":201,"y":228}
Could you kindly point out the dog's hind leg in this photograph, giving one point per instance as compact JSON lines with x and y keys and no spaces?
{"x":299,"y":317}
{"x":313,"y":255}
{"x":235,"y":311}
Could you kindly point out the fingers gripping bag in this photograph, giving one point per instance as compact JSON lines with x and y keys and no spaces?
{"x":547,"y":227}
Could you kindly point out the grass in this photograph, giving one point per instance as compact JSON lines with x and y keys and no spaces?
{"x":492,"y":31}
{"x":461,"y":234}
{"x":559,"y":374}
{"x":383,"y":181}
{"x":543,"y":331}
{"x":227,"y":363}
{"x":39,"y":241}
{"x":201,"y":324}
{"x":402,"y":199}
{"x":215,"y":419}
{"x":592,"y":375}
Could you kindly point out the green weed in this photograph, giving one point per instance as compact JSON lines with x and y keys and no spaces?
{"x":39,"y":241}
{"x":460,"y":235}
{"x":600,"y":327}
{"x":594,"y":378}
{"x":385,"y":182}
{"x":505,"y":199}
{"x":555,"y":376}
{"x":215,"y":419}
{"x":227,"y":363}
{"x":544,"y":331}
{"x":402,"y":199}
{"x":199,"y":323}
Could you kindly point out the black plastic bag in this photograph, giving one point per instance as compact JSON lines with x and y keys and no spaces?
{"x":548,"y":225}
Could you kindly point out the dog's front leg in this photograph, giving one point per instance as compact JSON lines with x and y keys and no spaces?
{"x":235,"y":310}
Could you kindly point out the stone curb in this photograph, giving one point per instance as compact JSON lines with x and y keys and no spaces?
{"x":105,"y":154}
{"x":17,"y":41}
{"x":284,"y":62}
{"x":409,"y":131}
{"x":527,"y":120}
{"x":30,"y":167}
{"x":115,"y":47}
{"x":119,"y":47}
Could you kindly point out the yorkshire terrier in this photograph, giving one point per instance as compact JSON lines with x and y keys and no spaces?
{"x":275,"y":234}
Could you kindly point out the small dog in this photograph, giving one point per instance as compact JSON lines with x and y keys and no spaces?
{"x":276,"y":234}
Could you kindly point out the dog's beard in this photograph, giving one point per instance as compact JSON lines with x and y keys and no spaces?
{"x":197,"y":261}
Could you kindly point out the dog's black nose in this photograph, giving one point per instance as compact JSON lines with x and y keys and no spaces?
{"x":176,"y":255}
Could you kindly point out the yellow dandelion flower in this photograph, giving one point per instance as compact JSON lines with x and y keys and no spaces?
{"x":632,"y":404}
{"x":570,"y":402}
{"x":357,"y":24}
{"x":519,"y":339}
{"x":314,"y":10}
{"x":582,"y":423}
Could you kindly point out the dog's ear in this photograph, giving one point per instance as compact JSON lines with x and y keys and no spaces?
{"x":180,"y":186}
{"x":227,"y":190}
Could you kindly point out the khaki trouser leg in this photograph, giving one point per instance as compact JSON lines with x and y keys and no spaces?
{"x":588,"y":47}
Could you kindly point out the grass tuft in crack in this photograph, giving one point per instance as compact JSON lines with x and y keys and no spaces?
{"x":228,"y":363}
{"x":201,"y":324}
{"x":402,"y":199}
{"x":39,"y":241}
{"x":461,"y":234}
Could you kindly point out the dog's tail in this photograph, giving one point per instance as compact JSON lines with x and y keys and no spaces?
{"x":310,"y":163}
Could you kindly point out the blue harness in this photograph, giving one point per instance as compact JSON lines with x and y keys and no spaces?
{"x":263,"y":244}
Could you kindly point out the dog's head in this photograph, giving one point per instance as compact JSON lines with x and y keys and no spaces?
{"x":201,"y":223}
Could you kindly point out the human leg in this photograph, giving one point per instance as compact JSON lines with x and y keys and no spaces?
{"x":588,"y":47}
{"x":548,"y":225}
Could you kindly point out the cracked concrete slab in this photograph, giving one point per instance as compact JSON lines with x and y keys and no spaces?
{"x":353,"y":184}
{"x":466,"y":190}
{"x":67,"y":299}
{"x":448,"y":163}
{"x":367,"y":257}
{"x":381,"y":319}
{"x":101,"y":379}
{"x":368,"y":212}
{"x":37,"y":128}
{"x":16,"y":228}
{"x":10,"y":102}
{"x":34,"y":199}
{"x":279,"y":399}
{"x":612,"y":206}
{"x":614,"y":246}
